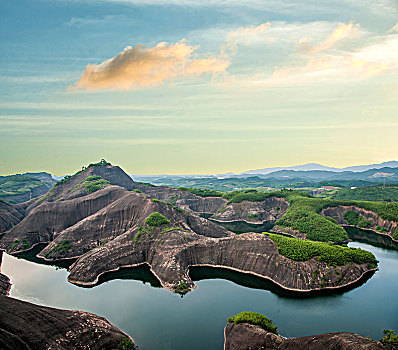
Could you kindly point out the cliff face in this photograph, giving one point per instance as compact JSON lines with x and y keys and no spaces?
{"x":185,"y":199}
{"x":338,"y":214}
{"x":28,"y":326}
{"x":271,"y":209}
{"x":245,"y":336}
{"x":9,"y":216}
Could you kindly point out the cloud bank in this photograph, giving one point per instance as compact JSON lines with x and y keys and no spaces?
{"x":138,"y":66}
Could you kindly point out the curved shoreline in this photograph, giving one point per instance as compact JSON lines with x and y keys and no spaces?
{"x":281,"y":289}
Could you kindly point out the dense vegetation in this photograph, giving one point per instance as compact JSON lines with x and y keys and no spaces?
{"x":156,"y":220}
{"x":126,"y":344}
{"x":388,"y":193}
{"x":256,"y":319}
{"x":354,"y":218}
{"x":334,"y":255}
{"x":390,"y":336}
{"x":95,"y":183}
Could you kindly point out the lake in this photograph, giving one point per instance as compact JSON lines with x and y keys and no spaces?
{"x":158,"y":319}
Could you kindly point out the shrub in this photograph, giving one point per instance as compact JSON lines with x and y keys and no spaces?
{"x":156,"y":219}
{"x":92,"y":178}
{"x":256,"y":319}
{"x":390,"y":336}
{"x":63,"y":247}
{"x":15,"y":244}
{"x":138,"y":191}
{"x":182,"y":288}
{"x":126,"y":343}
{"x":96,"y":185}
{"x":252,"y":216}
{"x":301,"y":250}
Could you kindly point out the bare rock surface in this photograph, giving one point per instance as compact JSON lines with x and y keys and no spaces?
{"x":271,"y":209}
{"x":9,"y":216}
{"x":28,"y":326}
{"x":245,"y":336}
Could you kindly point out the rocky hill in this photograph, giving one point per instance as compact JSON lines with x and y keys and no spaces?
{"x":102,"y":221}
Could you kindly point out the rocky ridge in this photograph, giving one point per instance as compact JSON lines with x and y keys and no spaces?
{"x":106,"y":230}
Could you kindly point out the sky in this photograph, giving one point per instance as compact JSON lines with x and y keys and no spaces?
{"x":197,"y":87}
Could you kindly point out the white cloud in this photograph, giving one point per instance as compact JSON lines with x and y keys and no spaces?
{"x":138,"y":66}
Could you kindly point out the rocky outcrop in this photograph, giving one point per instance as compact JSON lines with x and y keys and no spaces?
{"x":5,"y":284}
{"x":271,"y":209}
{"x":28,"y":326}
{"x":338,"y":214}
{"x":245,"y":336}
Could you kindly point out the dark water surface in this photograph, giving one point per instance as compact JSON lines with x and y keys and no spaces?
{"x":159,"y":319}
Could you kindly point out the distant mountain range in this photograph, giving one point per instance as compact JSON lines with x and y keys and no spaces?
{"x":315,"y":166}
{"x":266,"y":171}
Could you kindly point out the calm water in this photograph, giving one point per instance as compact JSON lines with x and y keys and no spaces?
{"x":158,"y":319}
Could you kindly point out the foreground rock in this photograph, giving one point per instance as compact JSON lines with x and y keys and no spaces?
{"x":27,"y":326}
{"x":245,"y":336}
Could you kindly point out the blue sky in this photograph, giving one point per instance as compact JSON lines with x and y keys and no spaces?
{"x":197,"y":86}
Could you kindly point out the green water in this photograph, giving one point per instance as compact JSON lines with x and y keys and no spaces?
{"x":158,"y":319}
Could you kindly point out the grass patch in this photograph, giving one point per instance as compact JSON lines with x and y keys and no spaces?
{"x":301,"y":250}
{"x":138,"y":191}
{"x":126,"y":343}
{"x":156,"y":220}
{"x":62,"y":248}
{"x":256,"y":319}
{"x":252,"y":216}
{"x":92,"y":178}
{"x":95,"y":185}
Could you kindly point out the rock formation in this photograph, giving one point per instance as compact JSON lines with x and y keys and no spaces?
{"x":271,"y":209}
{"x":98,"y":219}
{"x":245,"y":336}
